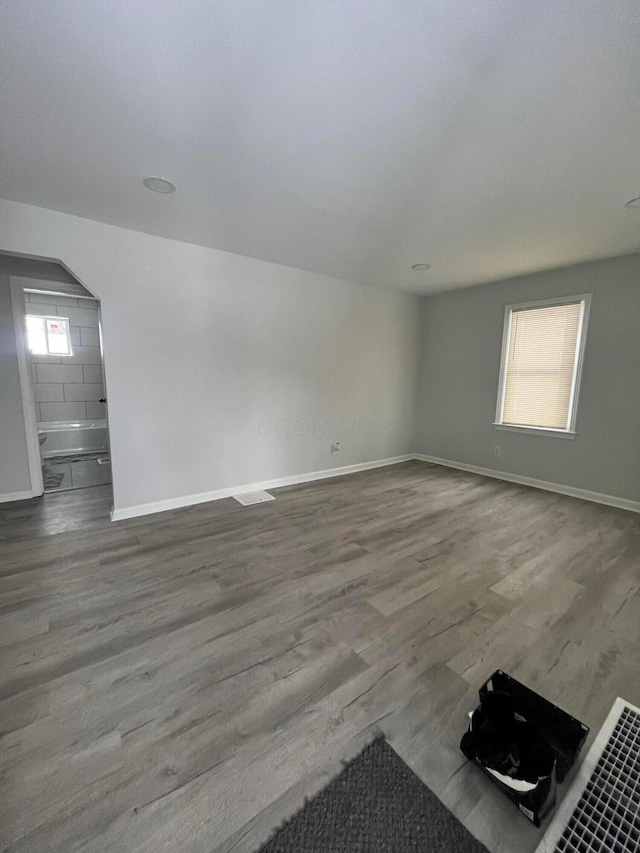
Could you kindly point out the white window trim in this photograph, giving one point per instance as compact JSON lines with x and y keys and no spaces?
{"x":570,"y":431}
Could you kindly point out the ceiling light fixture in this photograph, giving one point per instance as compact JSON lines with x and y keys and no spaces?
{"x":420,"y":267}
{"x":634,"y":204}
{"x":159,"y":185}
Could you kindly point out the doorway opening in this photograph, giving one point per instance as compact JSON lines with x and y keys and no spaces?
{"x":60,"y":330}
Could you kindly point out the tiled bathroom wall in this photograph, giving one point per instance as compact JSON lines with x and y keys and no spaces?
{"x":69,"y":388}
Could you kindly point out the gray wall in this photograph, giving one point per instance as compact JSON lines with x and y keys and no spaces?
{"x":248,"y":371}
{"x":222,"y":370}
{"x":31,"y":268}
{"x":69,"y":388}
{"x":461,"y":335}
{"x":14,"y":463}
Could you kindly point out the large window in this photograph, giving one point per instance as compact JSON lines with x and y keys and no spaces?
{"x":48,"y":335}
{"x":541,"y":365}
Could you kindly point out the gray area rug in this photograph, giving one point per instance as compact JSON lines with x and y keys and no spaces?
{"x":51,"y":479}
{"x":376,"y":805}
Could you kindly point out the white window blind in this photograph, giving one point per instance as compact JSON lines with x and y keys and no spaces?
{"x":540,"y":365}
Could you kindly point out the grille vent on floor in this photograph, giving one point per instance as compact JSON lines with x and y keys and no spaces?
{"x":601,"y":812}
{"x":253,"y":498}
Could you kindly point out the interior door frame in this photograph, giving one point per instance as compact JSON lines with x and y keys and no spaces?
{"x":19,"y":309}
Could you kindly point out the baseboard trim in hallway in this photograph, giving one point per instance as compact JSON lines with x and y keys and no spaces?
{"x":570,"y":491}
{"x":219,"y":494}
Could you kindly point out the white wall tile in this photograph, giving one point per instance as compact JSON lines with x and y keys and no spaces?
{"x":63,"y":305}
{"x":51,"y":299}
{"x":96,"y":410}
{"x":62,"y":411}
{"x":92,"y":372}
{"x":59,"y":372}
{"x":74,"y":334}
{"x":46,"y":359}
{"x":79,"y":316}
{"x":85,"y":355}
{"x":77,"y":392}
{"x":41,"y":309}
{"x":90,"y":337}
{"x":48,"y":393}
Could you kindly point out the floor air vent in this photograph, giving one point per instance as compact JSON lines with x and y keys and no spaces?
{"x":601,"y":812}
{"x":253,"y":498}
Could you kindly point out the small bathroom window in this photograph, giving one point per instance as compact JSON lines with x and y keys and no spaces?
{"x":48,"y":335}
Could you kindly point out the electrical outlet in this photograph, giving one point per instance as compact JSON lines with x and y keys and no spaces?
{"x":335,"y":448}
{"x":497,"y":450}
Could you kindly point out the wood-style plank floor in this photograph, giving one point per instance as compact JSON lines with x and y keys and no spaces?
{"x":181,"y":682}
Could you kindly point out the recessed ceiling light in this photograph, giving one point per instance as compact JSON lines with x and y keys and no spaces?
{"x":418,"y":267}
{"x":634,"y":204}
{"x":159,"y":185}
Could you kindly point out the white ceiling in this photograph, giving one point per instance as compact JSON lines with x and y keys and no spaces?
{"x":349,"y":137}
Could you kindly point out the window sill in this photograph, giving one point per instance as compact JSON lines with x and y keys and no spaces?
{"x":530,"y":430}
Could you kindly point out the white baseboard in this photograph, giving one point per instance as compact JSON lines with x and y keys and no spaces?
{"x":16,"y":496}
{"x":584,"y":494}
{"x":219,"y":494}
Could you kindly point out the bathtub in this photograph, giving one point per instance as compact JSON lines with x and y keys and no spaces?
{"x":65,"y":437}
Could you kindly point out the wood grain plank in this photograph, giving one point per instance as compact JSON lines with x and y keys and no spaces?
{"x":183,"y":680}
